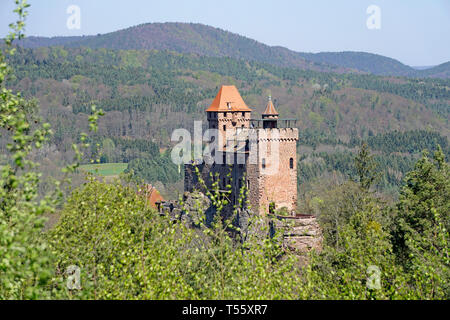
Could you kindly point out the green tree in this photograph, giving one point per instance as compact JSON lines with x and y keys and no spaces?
{"x":26,"y":267}
{"x":421,"y":236}
{"x":107,"y":152}
{"x":366,"y":167}
{"x":26,"y":263}
{"x":344,"y":272}
{"x":126,"y":250}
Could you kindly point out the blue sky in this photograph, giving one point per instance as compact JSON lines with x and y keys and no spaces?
{"x":415,"y":32}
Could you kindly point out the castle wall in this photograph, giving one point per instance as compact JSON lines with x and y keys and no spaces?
{"x":228,"y":175}
{"x":230,"y":121}
{"x":255,"y":192}
{"x":272,"y":179}
{"x":192,"y":179}
{"x":269,"y":176}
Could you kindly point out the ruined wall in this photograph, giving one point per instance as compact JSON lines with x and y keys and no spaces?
{"x":226,"y":175}
{"x":191,"y":178}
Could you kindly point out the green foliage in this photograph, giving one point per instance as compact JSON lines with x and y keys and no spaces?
{"x":343,"y":271}
{"x":409,"y":141}
{"x":422,"y":226}
{"x":406,"y":244}
{"x":155,"y":167}
{"x":208,"y":41}
{"x":365,"y":167}
{"x":168,"y":90}
{"x":25,"y":265}
{"x":127,"y":251}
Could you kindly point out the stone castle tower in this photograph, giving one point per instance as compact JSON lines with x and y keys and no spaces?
{"x":260,"y":153}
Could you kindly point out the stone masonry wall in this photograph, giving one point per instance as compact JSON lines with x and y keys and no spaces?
{"x":277,"y":182}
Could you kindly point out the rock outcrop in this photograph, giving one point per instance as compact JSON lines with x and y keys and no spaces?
{"x":301,"y":233}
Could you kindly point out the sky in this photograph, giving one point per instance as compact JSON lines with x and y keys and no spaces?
{"x":415,"y":32}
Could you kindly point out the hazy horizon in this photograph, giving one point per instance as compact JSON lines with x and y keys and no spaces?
{"x":411,"y":32}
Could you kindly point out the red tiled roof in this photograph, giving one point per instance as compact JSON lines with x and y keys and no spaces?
{"x":152,"y":195}
{"x":228,"y":99}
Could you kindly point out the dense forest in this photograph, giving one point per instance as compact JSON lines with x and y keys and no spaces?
{"x":63,"y":236}
{"x":199,"y":39}
{"x":148,"y":94}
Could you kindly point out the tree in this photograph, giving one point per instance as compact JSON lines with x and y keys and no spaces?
{"x":366,"y":167}
{"x":108,"y":151}
{"x":26,"y":267}
{"x":126,"y":250}
{"x":346,"y":271}
{"x":421,"y":236}
{"x":26,"y":263}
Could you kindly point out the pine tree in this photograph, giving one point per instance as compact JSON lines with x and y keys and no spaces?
{"x":366,"y":167}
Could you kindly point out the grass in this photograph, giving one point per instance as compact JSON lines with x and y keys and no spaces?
{"x":105,"y":169}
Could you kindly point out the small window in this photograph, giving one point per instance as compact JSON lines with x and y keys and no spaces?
{"x":243,"y":114}
{"x":263,"y":163}
{"x":224,"y":127}
{"x":291,"y":163}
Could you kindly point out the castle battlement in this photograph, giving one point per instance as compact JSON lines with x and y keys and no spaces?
{"x":279,"y":134}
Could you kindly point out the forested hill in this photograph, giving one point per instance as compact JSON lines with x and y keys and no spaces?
{"x":146,"y":94}
{"x":209,"y":41}
{"x":185,"y":38}
{"x":376,"y":64}
{"x":440,"y":71}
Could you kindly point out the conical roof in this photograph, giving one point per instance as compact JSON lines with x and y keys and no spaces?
{"x":270,"y":109}
{"x":228,"y":99}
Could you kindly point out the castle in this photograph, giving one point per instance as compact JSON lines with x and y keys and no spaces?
{"x":260,"y":153}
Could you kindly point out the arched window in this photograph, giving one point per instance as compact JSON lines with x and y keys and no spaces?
{"x":291,"y":163}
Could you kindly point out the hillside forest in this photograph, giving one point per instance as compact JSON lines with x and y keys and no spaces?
{"x":148,"y":94}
